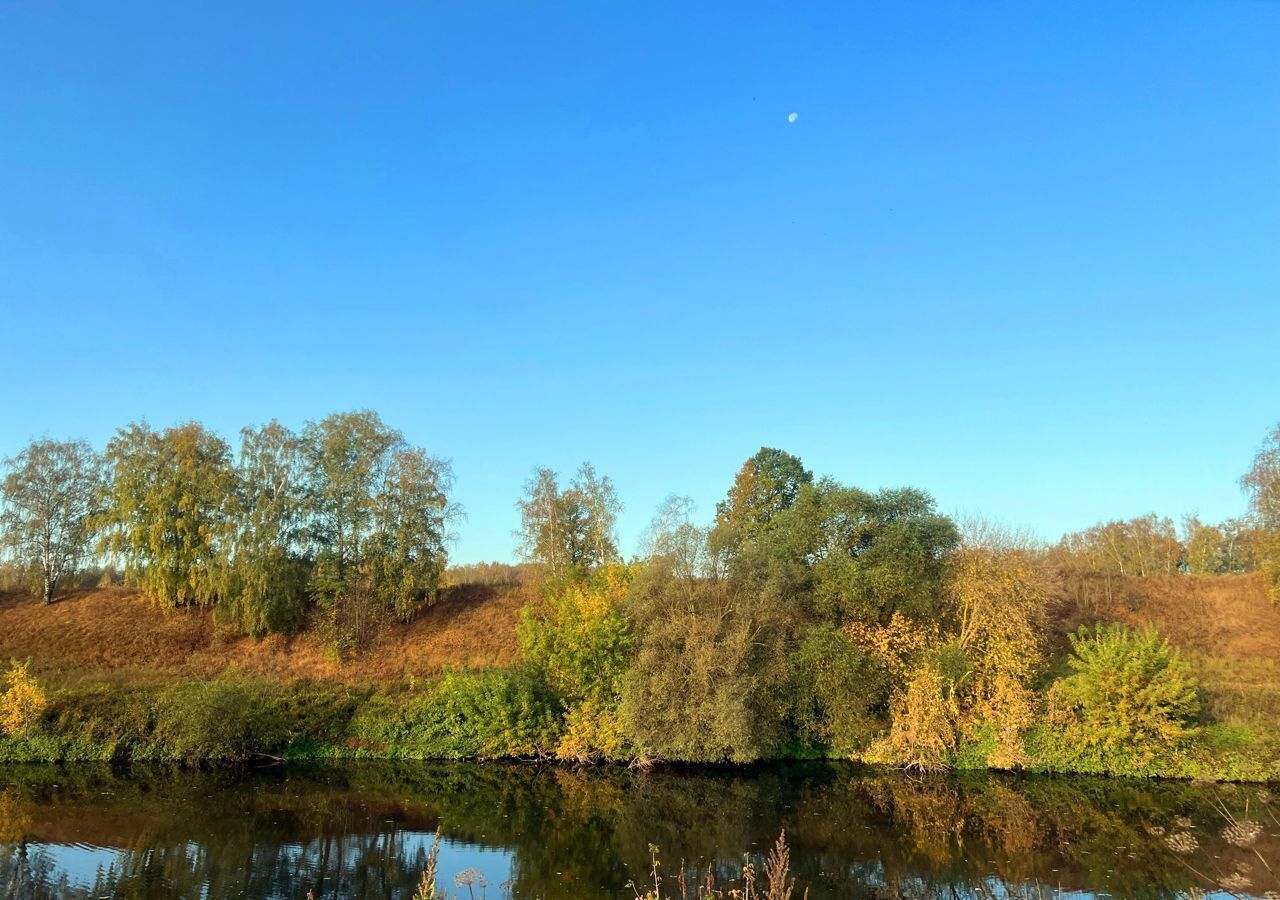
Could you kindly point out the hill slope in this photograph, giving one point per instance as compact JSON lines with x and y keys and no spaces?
{"x":118,"y":635}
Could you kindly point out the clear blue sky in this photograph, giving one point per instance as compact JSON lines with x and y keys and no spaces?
{"x":1026,"y":256}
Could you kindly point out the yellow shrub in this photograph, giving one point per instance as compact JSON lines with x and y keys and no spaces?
{"x":591,"y":732}
{"x":923,"y":733}
{"x":893,"y":644}
{"x":23,"y":703}
{"x":1008,"y":705}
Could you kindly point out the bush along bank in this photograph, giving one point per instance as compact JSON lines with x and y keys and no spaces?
{"x":502,"y":713}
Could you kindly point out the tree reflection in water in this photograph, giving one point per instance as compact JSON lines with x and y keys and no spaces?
{"x":555,"y":832}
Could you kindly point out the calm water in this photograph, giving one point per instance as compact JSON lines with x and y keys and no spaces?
{"x":362,"y":831}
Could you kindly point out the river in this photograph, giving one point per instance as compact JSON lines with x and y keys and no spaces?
{"x":363,"y":830}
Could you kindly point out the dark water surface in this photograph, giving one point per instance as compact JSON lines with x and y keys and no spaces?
{"x":551,"y":832}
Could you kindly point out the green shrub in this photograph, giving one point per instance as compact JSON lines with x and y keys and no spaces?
{"x":1129,"y":699}
{"x":472,"y":714}
{"x":234,"y":718}
{"x":835,"y":685}
{"x":708,"y":681}
{"x":99,"y":722}
{"x":315,"y":712}
{"x":228,"y":719}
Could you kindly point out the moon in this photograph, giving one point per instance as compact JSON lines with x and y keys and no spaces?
{"x":792,"y":117}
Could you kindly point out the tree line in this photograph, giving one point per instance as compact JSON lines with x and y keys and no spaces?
{"x":814,"y":617}
{"x":344,"y":517}
{"x":347,"y":517}
{"x":809,"y":617}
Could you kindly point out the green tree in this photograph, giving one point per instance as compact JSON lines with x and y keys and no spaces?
{"x":267,"y":570}
{"x":880,"y":553}
{"x":406,"y":553}
{"x":46,"y":503}
{"x":839,"y":554}
{"x":1262,"y":484}
{"x":767,"y":484}
{"x":168,"y":509}
{"x":570,"y":531}
{"x":378,"y":511}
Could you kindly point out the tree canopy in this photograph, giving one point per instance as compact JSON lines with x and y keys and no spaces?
{"x":46,"y":503}
{"x":168,"y":509}
{"x":571,"y":530}
{"x":1262,"y":484}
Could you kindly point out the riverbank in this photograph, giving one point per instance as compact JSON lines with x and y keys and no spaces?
{"x":235,"y":719}
{"x":125,"y":681}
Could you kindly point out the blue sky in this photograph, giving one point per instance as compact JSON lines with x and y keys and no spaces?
{"x":1026,"y":256}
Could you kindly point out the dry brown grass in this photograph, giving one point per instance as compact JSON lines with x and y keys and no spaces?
{"x":1219,"y":615}
{"x":117,"y":633}
{"x":1227,"y":623}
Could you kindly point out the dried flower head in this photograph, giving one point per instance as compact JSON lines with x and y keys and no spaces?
{"x":1236,"y":881}
{"x":1243,"y":833}
{"x":468,"y":877}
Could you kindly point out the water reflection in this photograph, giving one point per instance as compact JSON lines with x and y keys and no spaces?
{"x":551,"y":832}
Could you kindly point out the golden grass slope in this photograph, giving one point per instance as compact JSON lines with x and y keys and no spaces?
{"x":118,"y":634}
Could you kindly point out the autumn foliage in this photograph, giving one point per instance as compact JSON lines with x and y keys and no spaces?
{"x":23,"y":701}
{"x":809,"y":618}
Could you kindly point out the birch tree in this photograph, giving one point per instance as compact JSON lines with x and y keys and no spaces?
{"x":169,"y":510}
{"x":346,"y":458}
{"x":542,"y":522}
{"x":1262,"y":484}
{"x":266,"y":567}
{"x":377,"y":512}
{"x":48,"y":499}
{"x":407,"y":554}
{"x":571,"y":530}
{"x":597,"y":506}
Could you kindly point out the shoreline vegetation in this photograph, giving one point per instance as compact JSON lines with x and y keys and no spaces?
{"x":170,"y":600}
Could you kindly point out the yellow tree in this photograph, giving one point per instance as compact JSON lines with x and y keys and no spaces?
{"x":580,"y":640}
{"x":998,"y":594}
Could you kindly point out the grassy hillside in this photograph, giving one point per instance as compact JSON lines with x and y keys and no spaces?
{"x":116,"y":635}
{"x":1226,"y":624}
{"x":1222,"y":615}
